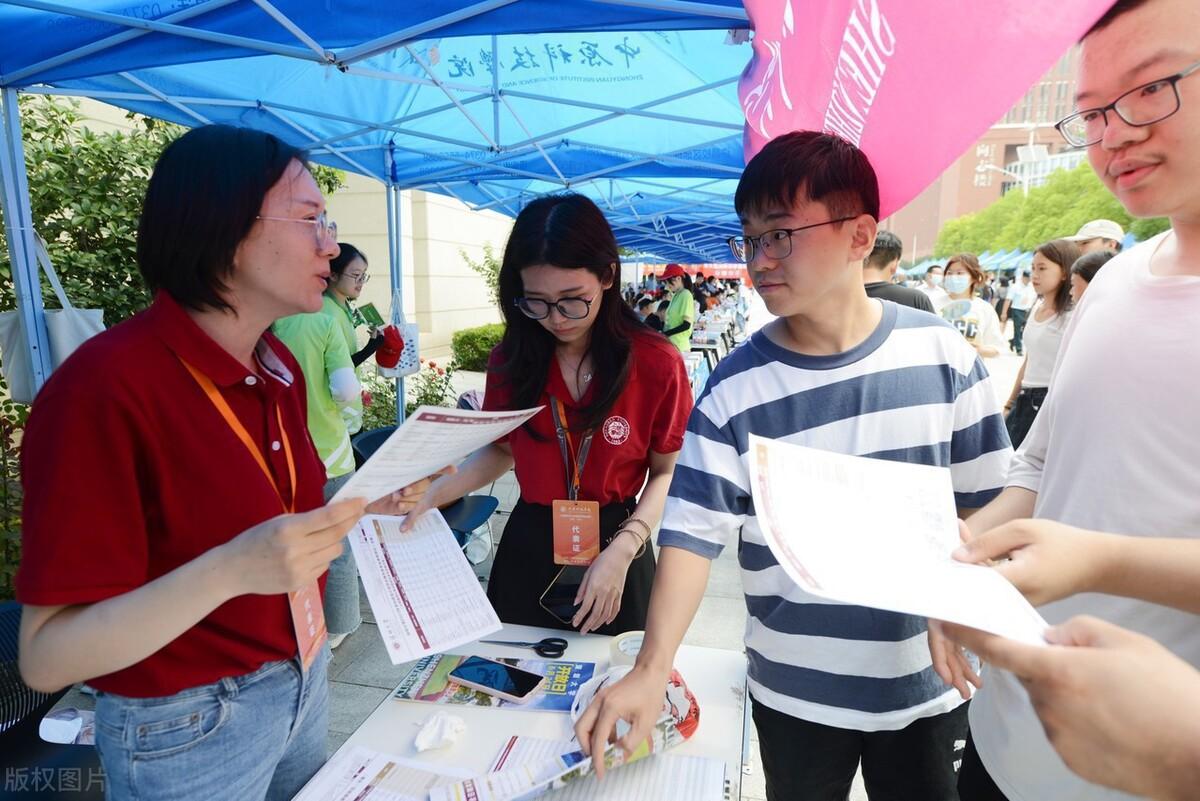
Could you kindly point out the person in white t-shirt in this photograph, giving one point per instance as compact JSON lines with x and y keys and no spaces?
{"x":1113,"y":448}
{"x":973,"y":316}
{"x":1043,"y":334}
{"x":1021,"y":297}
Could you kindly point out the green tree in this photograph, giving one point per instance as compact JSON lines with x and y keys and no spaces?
{"x":1067,"y":200}
{"x":488,"y":268}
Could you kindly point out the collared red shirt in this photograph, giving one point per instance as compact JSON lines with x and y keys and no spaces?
{"x":650,"y":415}
{"x":130,"y":472}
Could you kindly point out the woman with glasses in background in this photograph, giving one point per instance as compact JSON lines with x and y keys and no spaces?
{"x":325,"y":345}
{"x":615,"y":402}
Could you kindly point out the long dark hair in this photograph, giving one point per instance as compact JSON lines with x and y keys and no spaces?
{"x":570,"y":232}
{"x":1064,"y":253}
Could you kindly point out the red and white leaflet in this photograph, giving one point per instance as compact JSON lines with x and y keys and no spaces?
{"x":431,"y":438}
{"x":424,"y":593}
{"x":877,"y":533}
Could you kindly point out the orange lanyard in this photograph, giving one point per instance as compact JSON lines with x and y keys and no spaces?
{"x":568,"y":447}
{"x":222,"y":406}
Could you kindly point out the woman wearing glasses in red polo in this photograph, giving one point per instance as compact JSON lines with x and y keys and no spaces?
{"x":615,"y":400}
{"x":175,"y":541}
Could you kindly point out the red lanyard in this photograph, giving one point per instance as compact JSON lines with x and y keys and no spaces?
{"x":568,"y":447}
{"x":210,"y":389}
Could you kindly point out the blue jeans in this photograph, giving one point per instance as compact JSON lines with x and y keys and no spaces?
{"x":257,"y":736}
{"x":343,"y":615}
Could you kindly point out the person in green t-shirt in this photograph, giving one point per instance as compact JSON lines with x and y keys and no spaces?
{"x":682,"y":312}
{"x":324,"y":343}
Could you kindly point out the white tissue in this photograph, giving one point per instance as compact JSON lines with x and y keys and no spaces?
{"x":439,"y":731}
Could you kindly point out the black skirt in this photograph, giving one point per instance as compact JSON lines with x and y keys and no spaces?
{"x":524,"y":567}
{"x":1024,"y":412}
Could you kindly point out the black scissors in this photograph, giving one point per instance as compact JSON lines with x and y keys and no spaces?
{"x":551,"y":647}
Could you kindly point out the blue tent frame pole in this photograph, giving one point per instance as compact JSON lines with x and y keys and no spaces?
{"x":395,"y":262}
{"x":18,"y":225}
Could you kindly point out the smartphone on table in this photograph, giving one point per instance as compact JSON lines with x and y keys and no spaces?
{"x":496,"y":678}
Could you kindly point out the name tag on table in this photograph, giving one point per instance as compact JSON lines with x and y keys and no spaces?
{"x":576,"y":532}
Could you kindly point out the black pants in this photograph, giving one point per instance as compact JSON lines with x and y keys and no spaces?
{"x":974,"y":782}
{"x":806,"y":761}
{"x":524,"y":567}
{"x":1023,"y":413}
{"x":1018,"y":317}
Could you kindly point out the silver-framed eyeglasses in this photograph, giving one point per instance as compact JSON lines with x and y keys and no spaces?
{"x":774,"y":244}
{"x":1141,"y":106}
{"x":357,"y":280}
{"x":324,"y":228}
{"x":538,"y":309}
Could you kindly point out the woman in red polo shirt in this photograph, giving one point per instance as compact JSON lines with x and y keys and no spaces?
{"x":573,"y":347}
{"x":174,"y":538}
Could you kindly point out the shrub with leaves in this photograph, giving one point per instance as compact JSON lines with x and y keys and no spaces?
{"x":379,"y":400}
{"x":472,"y":346}
{"x":430,"y":386}
{"x":488,"y":268}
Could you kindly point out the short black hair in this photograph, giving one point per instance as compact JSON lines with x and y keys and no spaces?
{"x":664,"y":305}
{"x":806,"y":165}
{"x":1087,"y":265}
{"x":346,"y":254}
{"x":1115,"y":10}
{"x":933,"y":267}
{"x":888,"y":249}
{"x":644,"y":302}
{"x":204,"y":195}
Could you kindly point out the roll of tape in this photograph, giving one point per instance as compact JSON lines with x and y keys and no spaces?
{"x":624,"y":648}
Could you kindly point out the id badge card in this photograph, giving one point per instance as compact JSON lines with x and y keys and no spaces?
{"x":576,"y":532}
{"x":308,"y":618}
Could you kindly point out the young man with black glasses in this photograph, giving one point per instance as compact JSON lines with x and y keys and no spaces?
{"x":1114,"y":447}
{"x":832,"y":685}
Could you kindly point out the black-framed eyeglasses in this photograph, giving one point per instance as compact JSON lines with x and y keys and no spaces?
{"x":774,"y":244}
{"x":324,"y":228}
{"x":1141,"y":106}
{"x":538,"y":309}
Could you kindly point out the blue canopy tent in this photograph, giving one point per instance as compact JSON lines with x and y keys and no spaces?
{"x":632,"y":102}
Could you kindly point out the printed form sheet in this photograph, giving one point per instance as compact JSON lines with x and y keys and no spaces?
{"x":358,"y":774}
{"x":879,"y":534}
{"x":424,"y":594}
{"x":665,"y":776}
{"x":430,"y":439}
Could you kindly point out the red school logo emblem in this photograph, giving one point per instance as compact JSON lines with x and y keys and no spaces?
{"x":616,"y":430}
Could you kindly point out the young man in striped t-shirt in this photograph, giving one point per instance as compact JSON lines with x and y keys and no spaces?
{"x":831,"y":684}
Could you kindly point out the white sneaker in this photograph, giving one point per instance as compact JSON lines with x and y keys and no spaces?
{"x":336,"y":639}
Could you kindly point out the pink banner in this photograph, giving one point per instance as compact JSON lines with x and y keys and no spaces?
{"x":912,"y":82}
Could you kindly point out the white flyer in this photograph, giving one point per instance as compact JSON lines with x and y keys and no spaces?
{"x":878,"y":533}
{"x":424,"y":593}
{"x":431,"y":438}
{"x":357,"y":773}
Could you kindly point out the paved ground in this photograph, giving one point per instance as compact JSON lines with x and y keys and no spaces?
{"x":362,"y":676}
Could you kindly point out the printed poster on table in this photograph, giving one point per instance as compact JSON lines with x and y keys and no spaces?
{"x":429,"y":680}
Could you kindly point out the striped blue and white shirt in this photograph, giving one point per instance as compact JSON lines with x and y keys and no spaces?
{"x":914,"y":391}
